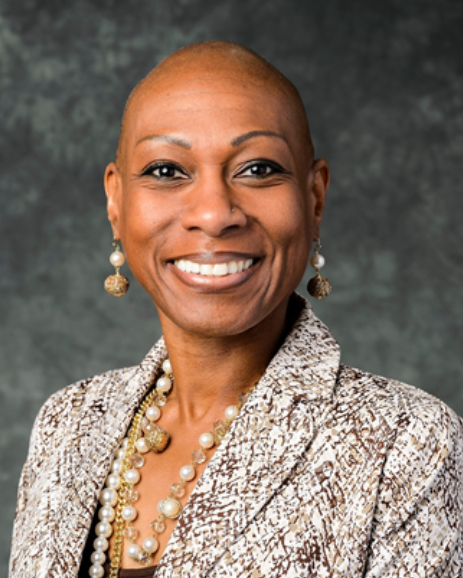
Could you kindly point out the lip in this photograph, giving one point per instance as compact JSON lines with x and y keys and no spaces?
{"x":211,"y":284}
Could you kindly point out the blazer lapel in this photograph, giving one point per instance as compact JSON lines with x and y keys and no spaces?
{"x":86,"y":454}
{"x":265,"y":442}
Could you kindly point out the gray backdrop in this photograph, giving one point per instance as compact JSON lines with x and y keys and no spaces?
{"x":383,"y":85}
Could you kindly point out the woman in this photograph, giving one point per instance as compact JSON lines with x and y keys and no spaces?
{"x":240,"y":446}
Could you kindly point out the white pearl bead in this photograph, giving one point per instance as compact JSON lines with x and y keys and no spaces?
{"x":132,"y":476}
{"x":231,"y":412}
{"x":142,"y":445}
{"x":164,"y":384}
{"x":170,"y":508}
{"x":108,"y":497}
{"x":98,"y":557}
{"x":133,"y":551}
{"x":129,"y":513}
{"x":317,"y":261}
{"x":116,"y":466}
{"x":120,"y":454}
{"x":125,"y":443}
{"x":206,"y":440}
{"x":117,"y":259}
{"x":150,"y":545}
{"x":187,"y":473}
{"x":149,"y":428}
{"x":113,"y":481}
{"x":167,"y":366}
{"x":104,"y":529}
{"x":106,"y":514}
{"x":96,"y":571}
{"x":101,"y":543}
{"x":153,"y":413}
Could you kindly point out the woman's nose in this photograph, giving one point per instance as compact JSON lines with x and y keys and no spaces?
{"x":211,"y":208}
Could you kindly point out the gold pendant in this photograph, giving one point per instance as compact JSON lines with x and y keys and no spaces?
{"x":157,"y":440}
{"x":117,"y":285}
{"x":319,"y":287}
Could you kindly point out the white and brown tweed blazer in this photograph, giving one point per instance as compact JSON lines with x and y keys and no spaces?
{"x":328,"y":471}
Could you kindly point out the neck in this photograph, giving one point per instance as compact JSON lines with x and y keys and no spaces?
{"x":211,"y":372}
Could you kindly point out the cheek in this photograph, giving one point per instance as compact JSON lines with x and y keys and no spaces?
{"x":140,"y":227}
{"x":290,"y":226}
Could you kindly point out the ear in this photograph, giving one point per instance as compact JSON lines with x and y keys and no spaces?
{"x":321,"y":180}
{"x":113,"y":188}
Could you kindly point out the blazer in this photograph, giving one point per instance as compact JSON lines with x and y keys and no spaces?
{"x":328,"y":471}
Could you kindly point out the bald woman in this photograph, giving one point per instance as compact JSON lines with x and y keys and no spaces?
{"x":241,"y":445}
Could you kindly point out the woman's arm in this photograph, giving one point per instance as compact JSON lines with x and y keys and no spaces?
{"x":418,"y":527}
{"x":48,"y":430}
{"x":37,"y":450}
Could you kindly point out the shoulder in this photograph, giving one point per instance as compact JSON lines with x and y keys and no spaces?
{"x":63,"y":406}
{"x":416,"y":421}
{"x":393,"y":399}
{"x":418,"y":494}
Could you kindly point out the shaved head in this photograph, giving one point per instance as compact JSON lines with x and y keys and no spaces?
{"x":206,"y":60}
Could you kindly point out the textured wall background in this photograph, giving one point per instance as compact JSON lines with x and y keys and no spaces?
{"x":383,"y":85}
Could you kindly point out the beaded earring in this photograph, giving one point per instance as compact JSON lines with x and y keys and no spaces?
{"x":117,"y":284}
{"x":319,"y":287}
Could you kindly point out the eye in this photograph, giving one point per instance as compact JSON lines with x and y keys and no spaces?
{"x":260,"y":169}
{"x":165,"y":171}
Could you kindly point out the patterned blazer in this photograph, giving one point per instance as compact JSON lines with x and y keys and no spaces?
{"x":328,"y":471}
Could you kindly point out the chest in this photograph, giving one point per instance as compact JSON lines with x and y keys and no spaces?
{"x":267,"y":502}
{"x":318,"y":520}
{"x":160,"y":478}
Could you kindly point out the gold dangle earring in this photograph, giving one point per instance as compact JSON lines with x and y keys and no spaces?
{"x":117,"y":284}
{"x":319,"y":287}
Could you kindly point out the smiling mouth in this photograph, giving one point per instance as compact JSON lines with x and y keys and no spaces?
{"x":214,"y":269}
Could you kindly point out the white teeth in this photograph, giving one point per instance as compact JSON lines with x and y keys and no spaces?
{"x":213,"y":269}
{"x":220,"y":269}
{"x":206,"y":269}
{"x":232,"y":267}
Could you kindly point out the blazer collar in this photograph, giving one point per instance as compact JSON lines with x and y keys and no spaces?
{"x":265,"y":441}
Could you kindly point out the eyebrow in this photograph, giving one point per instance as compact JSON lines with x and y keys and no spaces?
{"x":255,"y":133}
{"x":167,"y":138}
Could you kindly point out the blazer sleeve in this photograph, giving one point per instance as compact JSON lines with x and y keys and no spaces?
{"x":26,"y":482}
{"x":45,"y":437}
{"x":417,"y":530}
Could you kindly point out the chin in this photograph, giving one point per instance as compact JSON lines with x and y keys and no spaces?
{"x":210,"y":318}
{"x":215,"y":318}
{"x":215,"y":324}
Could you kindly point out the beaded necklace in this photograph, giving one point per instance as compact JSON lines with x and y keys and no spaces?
{"x":117,"y":511}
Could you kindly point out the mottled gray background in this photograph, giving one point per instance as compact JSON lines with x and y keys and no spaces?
{"x":383,"y":85}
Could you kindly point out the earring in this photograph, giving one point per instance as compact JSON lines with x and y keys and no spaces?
{"x":319,"y":287}
{"x":117,"y":284}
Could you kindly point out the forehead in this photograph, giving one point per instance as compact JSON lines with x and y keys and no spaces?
{"x":208,"y":106}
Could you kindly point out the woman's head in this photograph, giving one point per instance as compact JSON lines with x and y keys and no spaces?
{"x":214,"y":169}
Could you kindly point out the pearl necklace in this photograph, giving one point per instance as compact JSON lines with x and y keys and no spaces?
{"x":117,"y":511}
